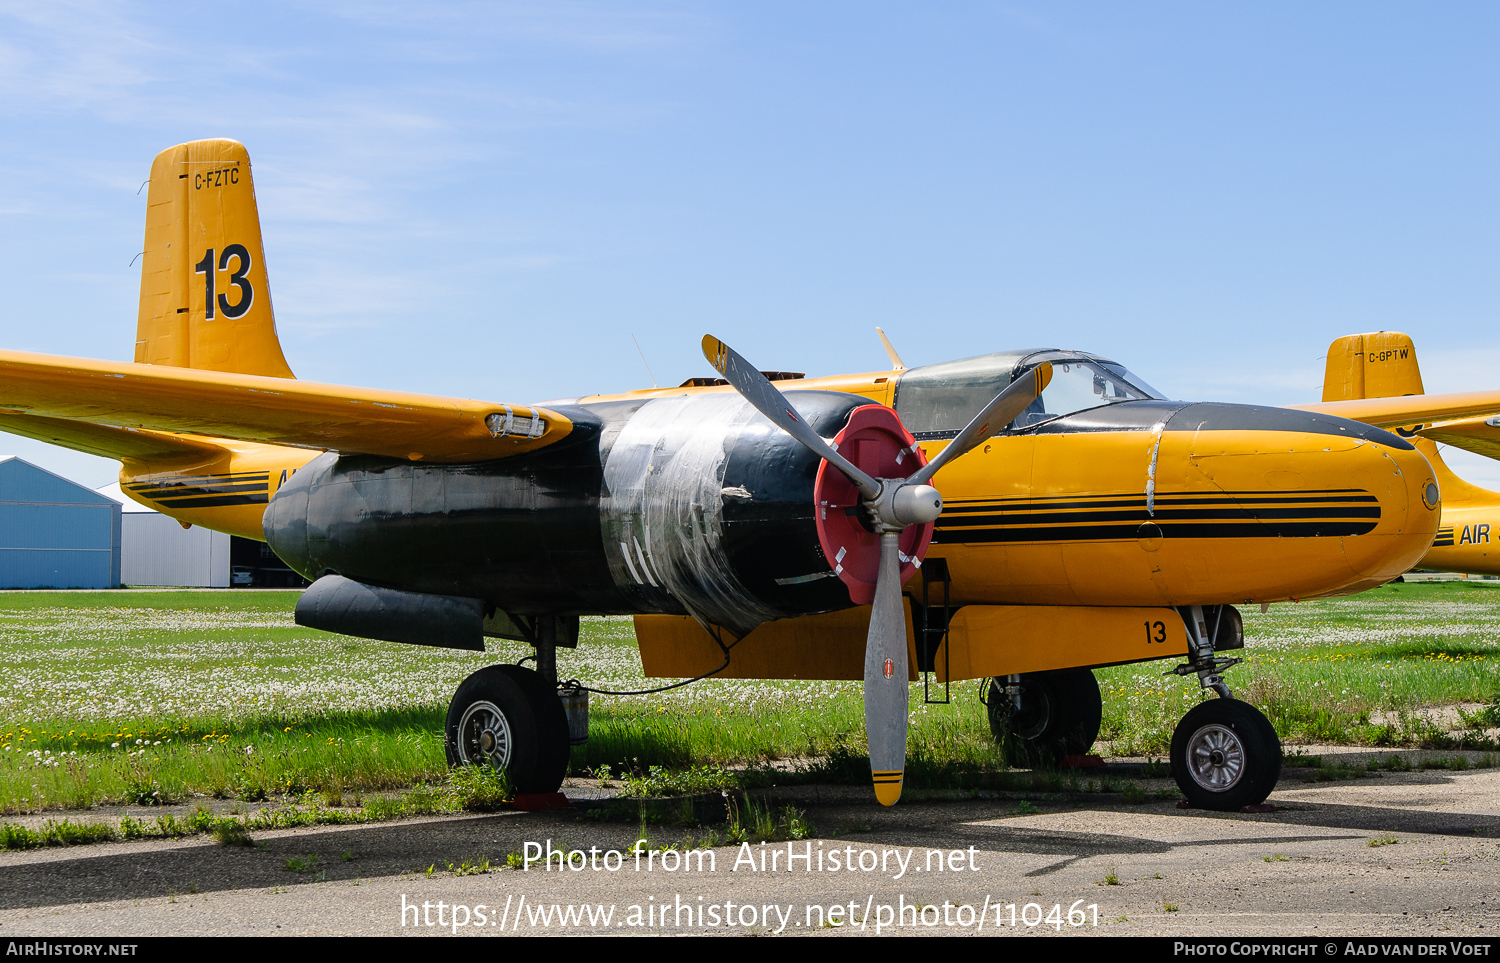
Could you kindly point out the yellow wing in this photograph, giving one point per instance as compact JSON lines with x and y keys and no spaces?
{"x":1411,"y":409}
{"x":108,"y":442}
{"x":269,"y":410}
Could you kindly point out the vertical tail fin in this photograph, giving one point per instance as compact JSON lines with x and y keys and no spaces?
{"x":1384,"y":365}
{"x":1378,"y":365}
{"x":205,"y":301}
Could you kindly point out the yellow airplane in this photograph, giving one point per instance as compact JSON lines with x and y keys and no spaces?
{"x":1068,"y":515}
{"x":1383,"y":364}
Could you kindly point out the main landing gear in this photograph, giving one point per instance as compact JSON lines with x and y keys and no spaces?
{"x":1041,"y":717}
{"x":511,"y":718}
{"x":1225,"y":754}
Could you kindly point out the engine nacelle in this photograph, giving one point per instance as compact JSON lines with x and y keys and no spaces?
{"x":691,"y":505}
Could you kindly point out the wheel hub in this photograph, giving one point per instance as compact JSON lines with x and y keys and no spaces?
{"x":1034,"y":716}
{"x":484,"y":737}
{"x":1215,"y":757}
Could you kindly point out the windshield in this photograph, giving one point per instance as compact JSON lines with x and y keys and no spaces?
{"x":1078,"y":386}
{"x":1132,"y":378}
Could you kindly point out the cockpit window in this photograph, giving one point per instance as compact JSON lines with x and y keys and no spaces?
{"x":939,"y":399}
{"x":1133,"y":379}
{"x":935,"y":401}
{"x":1079,"y":385}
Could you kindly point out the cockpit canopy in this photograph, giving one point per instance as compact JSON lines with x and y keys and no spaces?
{"x":937,"y":400}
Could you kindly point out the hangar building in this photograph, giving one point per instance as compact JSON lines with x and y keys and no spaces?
{"x":55,"y":533}
{"x":157,"y":550}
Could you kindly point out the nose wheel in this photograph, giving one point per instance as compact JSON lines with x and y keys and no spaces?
{"x":510,"y":718}
{"x":1225,"y":755}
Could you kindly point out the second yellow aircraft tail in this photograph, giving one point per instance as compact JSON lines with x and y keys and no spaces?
{"x":205,"y":301}
{"x":1383,"y":364}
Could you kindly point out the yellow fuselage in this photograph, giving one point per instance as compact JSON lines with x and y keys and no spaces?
{"x":1062,"y":519}
{"x":227,"y":492}
{"x":1466,"y":534}
{"x":1465,"y":541}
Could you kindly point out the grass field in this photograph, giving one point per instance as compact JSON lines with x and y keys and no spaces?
{"x":132,"y":696}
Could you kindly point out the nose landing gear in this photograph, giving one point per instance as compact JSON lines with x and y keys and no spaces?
{"x":1225,"y":754}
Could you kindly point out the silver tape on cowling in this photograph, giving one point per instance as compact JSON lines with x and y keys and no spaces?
{"x":662,"y":510}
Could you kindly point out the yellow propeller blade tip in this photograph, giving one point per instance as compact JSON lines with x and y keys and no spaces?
{"x":713,"y":350}
{"x":888,"y":787}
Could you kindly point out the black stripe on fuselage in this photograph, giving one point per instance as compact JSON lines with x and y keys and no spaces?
{"x":1164,"y":499}
{"x":214,"y":501}
{"x":235,"y":476}
{"x":1114,"y":516}
{"x":206,"y":491}
{"x":1095,"y":533}
{"x":1160,"y":516}
{"x":183,"y":491}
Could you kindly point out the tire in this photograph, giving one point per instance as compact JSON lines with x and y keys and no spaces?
{"x":510,"y":718}
{"x":1225,"y":755}
{"x":1060,"y":715}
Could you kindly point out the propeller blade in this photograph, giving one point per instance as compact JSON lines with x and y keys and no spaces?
{"x":991,"y":419}
{"x":764,"y":397}
{"x":896,"y":363}
{"x":886,"y":688}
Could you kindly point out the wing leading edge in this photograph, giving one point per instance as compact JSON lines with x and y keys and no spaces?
{"x":269,"y":410}
{"x":1410,"y":409}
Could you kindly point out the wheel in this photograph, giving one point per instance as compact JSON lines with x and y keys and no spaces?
{"x":510,"y":718}
{"x":1059,"y":716}
{"x":1225,"y":755}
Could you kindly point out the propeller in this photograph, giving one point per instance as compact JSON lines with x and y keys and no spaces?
{"x":891,"y":505}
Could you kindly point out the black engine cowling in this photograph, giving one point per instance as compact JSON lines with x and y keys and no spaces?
{"x":690,"y":505}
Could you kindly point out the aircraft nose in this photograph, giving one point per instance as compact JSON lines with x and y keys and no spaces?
{"x":1362,"y":501}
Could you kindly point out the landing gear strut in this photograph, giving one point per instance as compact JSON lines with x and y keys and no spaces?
{"x":510,"y":718}
{"x":1225,"y":754}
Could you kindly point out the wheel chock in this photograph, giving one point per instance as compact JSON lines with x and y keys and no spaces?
{"x":1258,"y":808}
{"x":536,"y":802}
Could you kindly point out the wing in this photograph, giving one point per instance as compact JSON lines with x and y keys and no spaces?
{"x":1411,"y":409}
{"x":37,"y":391}
{"x":106,"y":441}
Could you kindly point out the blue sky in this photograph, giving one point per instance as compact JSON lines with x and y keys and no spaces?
{"x":488,"y":200}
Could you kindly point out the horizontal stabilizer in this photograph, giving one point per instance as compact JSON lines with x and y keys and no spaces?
{"x":277,"y":411}
{"x":1479,"y":434}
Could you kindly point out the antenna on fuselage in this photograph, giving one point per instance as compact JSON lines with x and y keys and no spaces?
{"x":645,"y":362}
{"x":896,"y":362}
